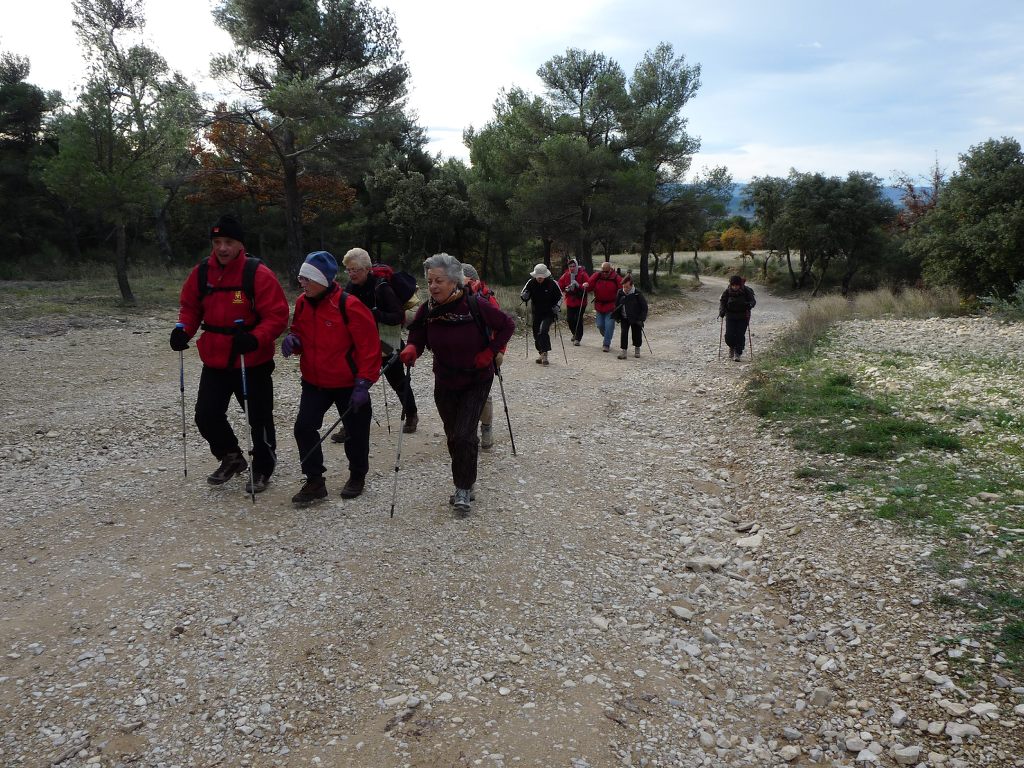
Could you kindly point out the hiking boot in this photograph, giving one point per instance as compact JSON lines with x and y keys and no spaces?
{"x":486,"y":436}
{"x":232,"y":464}
{"x":636,"y":352}
{"x":605,"y":347}
{"x":622,"y":355}
{"x":472,"y":495}
{"x":354,"y":485}
{"x":314,"y":490}
{"x":411,"y":422}
{"x":731,"y":353}
{"x":461,"y":501}
{"x":540,"y":359}
{"x":575,"y":342}
{"x":543,"y":358}
{"x":258,"y":485}
{"x":340,"y":436}
{"x":738,"y":356}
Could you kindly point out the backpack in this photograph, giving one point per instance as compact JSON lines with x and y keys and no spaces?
{"x":402,"y":283}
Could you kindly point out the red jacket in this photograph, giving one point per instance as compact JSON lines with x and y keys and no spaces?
{"x":220,"y":309}
{"x":574,"y":297}
{"x":605,"y":290}
{"x":329,"y":346}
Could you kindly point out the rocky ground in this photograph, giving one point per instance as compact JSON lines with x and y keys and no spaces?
{"x":646,"y":583}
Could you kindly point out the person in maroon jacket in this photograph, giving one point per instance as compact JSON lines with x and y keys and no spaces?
{"x":216,"y":308}
{"x":339,"y":352}
{"x":464,"y":341}
{"x":605,"y":285}
{"x":571,"y":282}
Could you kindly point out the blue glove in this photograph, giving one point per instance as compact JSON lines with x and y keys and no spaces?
{"x":360,"y":396}
{"x":291,"y":345}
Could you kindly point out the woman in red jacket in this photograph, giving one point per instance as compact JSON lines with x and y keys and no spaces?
{"x":605,"y":286}
{"x":571,"y":282}
{"x":216,"y":307}
{"x":336,"y":336}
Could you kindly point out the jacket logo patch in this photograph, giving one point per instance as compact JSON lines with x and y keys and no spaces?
{"x":238,"y":298}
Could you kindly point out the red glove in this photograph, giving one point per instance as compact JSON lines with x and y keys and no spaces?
{"x":408,"y":355}
{"x":484,"y":358}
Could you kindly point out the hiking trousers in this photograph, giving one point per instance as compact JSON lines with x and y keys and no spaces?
{"x":636,"y":329}
{"x":313,"y":404}
{"x":736,"y":332}
{"x":541,"y":332}
{"x":574,"y":319}
{"x":460,"y":411}
{"x":216,"y":386}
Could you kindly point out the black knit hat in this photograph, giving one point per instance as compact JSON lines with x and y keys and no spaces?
{"x":228,"y":226}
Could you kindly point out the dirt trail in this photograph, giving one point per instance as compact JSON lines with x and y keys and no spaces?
{"x":644,"y":584}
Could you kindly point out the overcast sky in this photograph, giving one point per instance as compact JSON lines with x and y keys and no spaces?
{"x":878,"y":85}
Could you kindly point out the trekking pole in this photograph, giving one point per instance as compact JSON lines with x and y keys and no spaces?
{"x":245,"y":410}
{"x":398,"y":450}
{"x":750,"y":342}
{"x":529,"y":324}
{"x":504,"y":402}
{"x":649,"y":347}
{"x":559,"y":327}
{"x":387,"y":414}
{"x":579,"y":322}
{"x":721,"y":330}
{"x":181,"y":379}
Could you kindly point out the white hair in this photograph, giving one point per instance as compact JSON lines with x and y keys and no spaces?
{"x":452,"y":267}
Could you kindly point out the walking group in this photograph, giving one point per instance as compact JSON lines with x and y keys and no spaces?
{"x":616,"y":301}
{"x":346,"y":338}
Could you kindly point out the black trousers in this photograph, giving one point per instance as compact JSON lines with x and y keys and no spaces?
{"x":736,"y":332}
{"x":541,"y":328}
{"x":637,"y":331}
{"x":396,"y":378}
{"x":459,"y":410}
{"x":313,"y":404}
{"x":574,"y":319}
{"x":216,"y":386}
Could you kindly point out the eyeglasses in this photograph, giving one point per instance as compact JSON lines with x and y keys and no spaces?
{"x":355,"y":270}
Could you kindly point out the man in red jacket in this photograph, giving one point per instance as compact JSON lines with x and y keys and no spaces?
{"x":336,"y":336}
{"x":571,"y":282}
{"x":605,"y":285}
{"x":234,"y":323}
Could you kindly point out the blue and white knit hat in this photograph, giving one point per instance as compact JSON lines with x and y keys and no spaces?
{"x":320,"y":267}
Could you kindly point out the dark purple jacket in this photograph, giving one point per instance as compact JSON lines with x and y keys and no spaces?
{"x":455,"y":337}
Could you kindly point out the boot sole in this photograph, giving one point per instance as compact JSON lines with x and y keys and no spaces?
{"x":308,"y":502}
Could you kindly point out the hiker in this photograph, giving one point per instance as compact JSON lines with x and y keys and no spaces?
{"x":571,"y":283}
{"x":631,"y":312}
{"x":735,"y":305}
{"x":547,"y":300}
{"x":336,"y":339}
{"x":474,"y":285}
{"x":605,"y":286}
{"x":227,"y":287}
{"x":465,"y":336}
{"x":377,"y":294}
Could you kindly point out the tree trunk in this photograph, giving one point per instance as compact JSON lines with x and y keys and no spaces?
{"x":645,"y":250}
{"x":548,"y":243}
{"x":672,"y":260}
{"x":163,"y":238}
{"x":506,"y":262}
{"x":121,"y":261}
{"x":485,"y":265}
{"x":292,"y":204}
{"x":696,"y":265}
{"x":789,"y":266}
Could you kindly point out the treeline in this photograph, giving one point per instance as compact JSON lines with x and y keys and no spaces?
{"x":319,"y":150}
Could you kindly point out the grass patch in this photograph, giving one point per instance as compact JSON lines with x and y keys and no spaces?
{"x":907,"y":452}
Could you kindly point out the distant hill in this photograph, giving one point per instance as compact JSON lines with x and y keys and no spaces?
{"x":735,"y":206}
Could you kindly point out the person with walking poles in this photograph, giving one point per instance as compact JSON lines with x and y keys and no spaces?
{"x":474,"y":285}
{"x":465,"y":335}
{"x":734,"y":306}
{"x":240,"y":307}
{"x":335,"y":336}
{"x":377,"y":294}
{"x":605,"y":285}
{"x":631,"y":312}
{"x":545,"y":300}
{"x":571,"y":283}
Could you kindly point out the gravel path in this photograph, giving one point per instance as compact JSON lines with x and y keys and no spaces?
{"x":646,"y":583}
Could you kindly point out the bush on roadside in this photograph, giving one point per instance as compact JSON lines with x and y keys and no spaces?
{"x":1010,"y":308}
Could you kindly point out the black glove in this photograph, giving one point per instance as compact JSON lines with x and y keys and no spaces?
{"x":244,"y":343}
{"x":179,"y":340}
